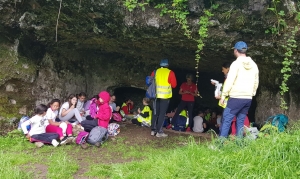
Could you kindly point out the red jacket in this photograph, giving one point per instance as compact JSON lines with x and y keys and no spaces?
{"x":105,"y":111}
{"x":171,"y":79}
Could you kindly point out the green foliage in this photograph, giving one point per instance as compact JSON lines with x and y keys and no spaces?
{"x":132,"y":4}
{"x":280,"y":24}
{"x":289,"y":47}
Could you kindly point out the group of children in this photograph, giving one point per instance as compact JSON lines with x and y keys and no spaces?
{"x":53,"y":124}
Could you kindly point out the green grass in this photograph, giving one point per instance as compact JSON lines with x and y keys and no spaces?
{"x":273,"y":156}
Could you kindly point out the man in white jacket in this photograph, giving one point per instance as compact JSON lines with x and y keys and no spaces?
{"x":241,"y":85}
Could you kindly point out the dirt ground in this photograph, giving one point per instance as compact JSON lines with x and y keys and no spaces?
{"x":131,"y":135}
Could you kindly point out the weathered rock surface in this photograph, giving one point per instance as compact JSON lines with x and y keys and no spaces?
{"x":104,"y":46}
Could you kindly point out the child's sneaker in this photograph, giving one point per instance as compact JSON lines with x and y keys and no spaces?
{"x":39,"y":144}
{"x":55,"y":143}
{"x":161,"y":135}
{"x":64,"y":140}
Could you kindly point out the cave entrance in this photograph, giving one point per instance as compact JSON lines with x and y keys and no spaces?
{"x":205,"y":88}
{"x":135,"y":94}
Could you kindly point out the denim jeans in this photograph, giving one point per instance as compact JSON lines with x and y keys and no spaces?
{"x":235,"y":107}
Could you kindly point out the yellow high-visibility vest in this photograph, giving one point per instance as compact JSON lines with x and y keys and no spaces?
{"x":226,"y":98}
{"x":147,"y":119}
{"x":163,"y":87}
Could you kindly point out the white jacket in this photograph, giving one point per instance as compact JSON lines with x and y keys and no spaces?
{"x":242,"y":80}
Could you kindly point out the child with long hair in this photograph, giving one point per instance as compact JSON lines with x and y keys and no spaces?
{"x":63,"y":129}
{"x":68,"y":110}
{"x":37,"y":132}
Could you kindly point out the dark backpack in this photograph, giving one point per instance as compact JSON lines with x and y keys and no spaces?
{"x":180,"y":124}
{"x":97,"y":134}
{"x":150,"y":82}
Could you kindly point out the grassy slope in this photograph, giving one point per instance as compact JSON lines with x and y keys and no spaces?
{"x":270,"y":157}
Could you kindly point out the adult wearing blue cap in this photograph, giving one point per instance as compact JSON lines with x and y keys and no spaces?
{"x":165,"y":80}
{"x":241,"y":85}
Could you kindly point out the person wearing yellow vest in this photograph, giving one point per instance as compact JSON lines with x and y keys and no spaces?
{"x":165,"y":80}
{"x":144,"y":117}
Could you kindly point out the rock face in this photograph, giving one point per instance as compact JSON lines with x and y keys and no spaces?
{"x":102,"y":45}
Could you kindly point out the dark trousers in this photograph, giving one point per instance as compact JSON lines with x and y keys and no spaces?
{"x":45,"y":138}
{"x":158,"y":117}
{"x":88,"y":125}
{"x":135,"y":121}
{"x":181,"y":106}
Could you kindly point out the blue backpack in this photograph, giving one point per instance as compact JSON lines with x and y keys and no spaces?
{"x":180,"y":124}
{"x":23,"y":119}
{"x":150,"y":82}
{"x":280,"y":121}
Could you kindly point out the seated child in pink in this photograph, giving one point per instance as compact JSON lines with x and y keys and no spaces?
{"x":38,"y":124}
{"x":103,"y":115}
{"x":63,"y":128}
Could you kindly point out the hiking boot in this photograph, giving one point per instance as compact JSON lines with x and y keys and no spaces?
{"x":153,"y":133}
{"x":39,"y":144}
{"x":84,"y":146}
{"x":64,"y":140}
{"x":161,"y":135}
{"x":169,"y":126}
{"x":98,"y":144}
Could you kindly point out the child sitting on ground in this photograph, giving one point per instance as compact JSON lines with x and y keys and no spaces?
{"x":144,"y":117}
{"x":102,"y":117}
{"x":37,"y":132}
{"x":199,"y":125}
{"x":63,"y":129}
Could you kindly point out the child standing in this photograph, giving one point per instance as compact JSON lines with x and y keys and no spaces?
{"x":37,"y":132}
{"x":144,"y":117}
{"x":199,"y":125}
{"x":63,"y":129}
{"x":68,"y":110}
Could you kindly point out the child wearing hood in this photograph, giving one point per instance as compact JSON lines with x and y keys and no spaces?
{"x":103,"y":115}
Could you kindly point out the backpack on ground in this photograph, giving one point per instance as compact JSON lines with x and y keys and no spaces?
{"x":97,"y":134}
{"x":81,"y":138}
{"x":117,"y":117}
{"x":113,"y":129}
{"x":23,"y":119}
{"x":277,"y":122}
{"x":151,"y":90}
{"x":180,"y":124}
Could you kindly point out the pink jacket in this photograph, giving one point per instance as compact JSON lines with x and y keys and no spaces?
{"x":104,"y":112}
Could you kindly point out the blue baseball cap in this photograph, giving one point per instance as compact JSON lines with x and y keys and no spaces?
{"x":164,"y":62}
{"x":241,"y":46}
